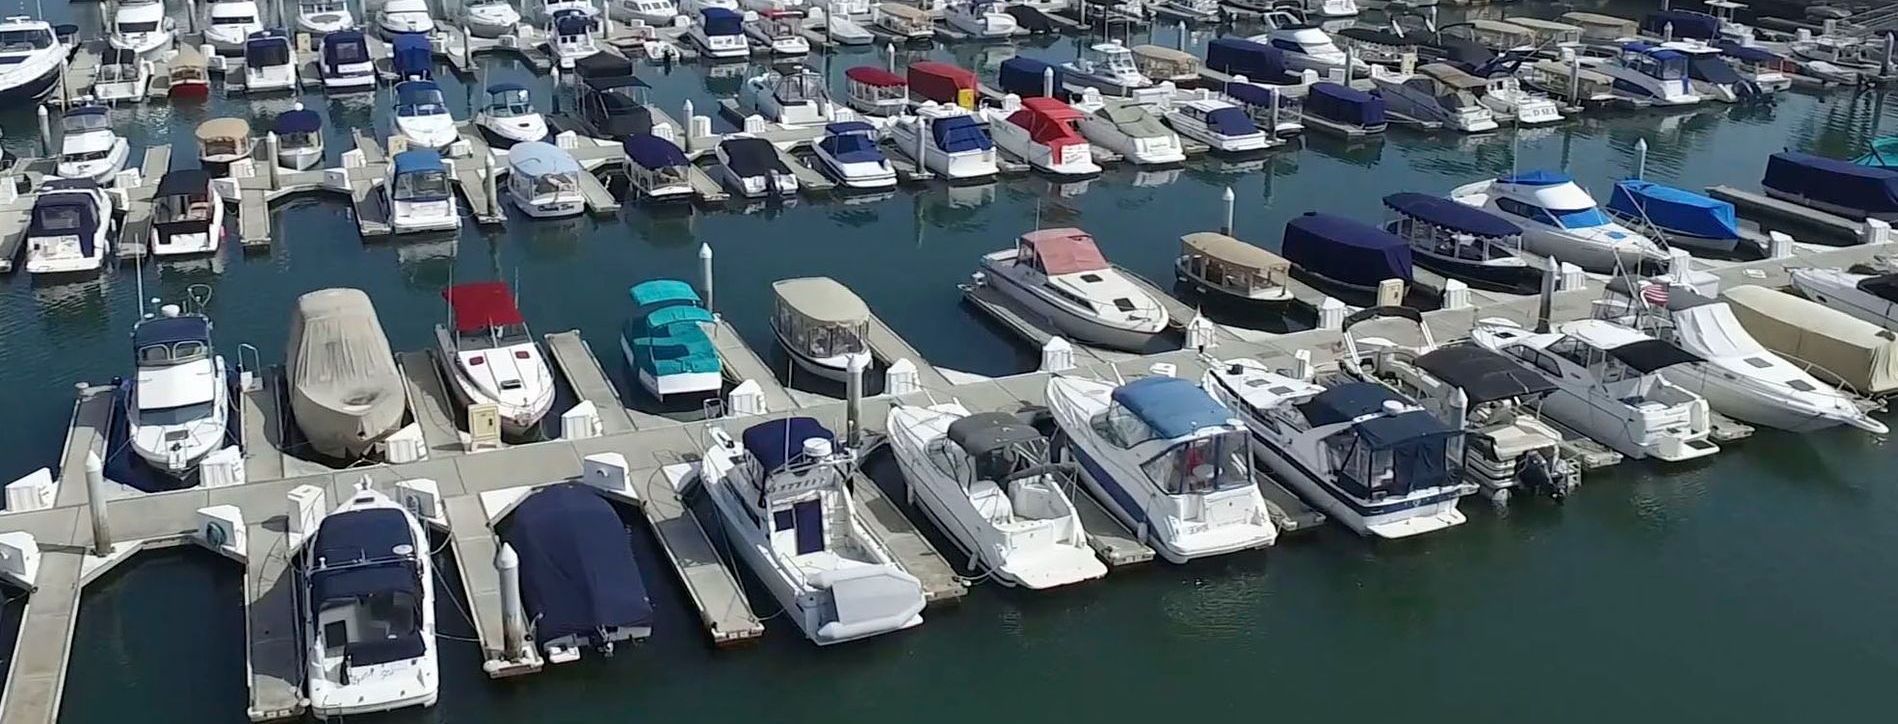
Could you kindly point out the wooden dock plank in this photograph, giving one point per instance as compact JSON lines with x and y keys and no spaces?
{"x":38,"y":675}
{"x":475,"y":548}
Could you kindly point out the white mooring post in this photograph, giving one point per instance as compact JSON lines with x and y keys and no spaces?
{"x":889,"y":55}
{"x":1057,"y":355}
{"x":1331,"y":313}
{"x":1778,"y":245}
{"x":1456,"y":295}
{"x":46,"y":132}
{"x":513,"y":616}
{"x":1301,"y":364}
{"x":922,"y":132}
{"x":488,"y":184}
{"x":1551,"y":276}
{"x":1640,"y":158}
{"x":705,"y":274}
{"x":1047,"y":82}
{"x":853,"y":399}
{"x":1875,"y":231}
{"x":271,"y":144}
{"x":96,"y":503}
{"x":1228,"y":197}
{"x":1179,"y":40}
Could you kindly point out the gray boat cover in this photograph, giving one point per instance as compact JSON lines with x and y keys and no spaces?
{"x":1134,"y":121}
{"x":1843,"y":349}
{"x":345,"y":389}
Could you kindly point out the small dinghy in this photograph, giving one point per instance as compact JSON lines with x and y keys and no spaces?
{"x":121,"y":76}
{"x":322,"y":17}
{"x":369,"y":610}
{"x":69,"y":227}
{"x":509,"y":117}
{"x":580,"y":583}
{"x":422,"y":117}
{"x":299,"y":138}
{"x":190,"y":76}
{"x":751,"y":166}
{"x":345,"y":390}
{"x":1685,"y":218}
{"x":1221,"y":268}
{"x":1840,"y":187}
{"x":222,"y":142}
{"x":848,"y":153}
{"x":399,"y":17}
{"x":489,"y":18}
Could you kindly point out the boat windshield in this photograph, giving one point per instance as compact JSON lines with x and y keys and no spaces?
{"x":180,"y":415}
{"x":1118,"y":60}
{"x":1203,"y":465}
{"x":83,"y":156}
{"x":182,"y":207}
{"x":554,"y":183}
{"x":1453,"y":244}
{"x":58,"y":219}
{"x":827,"y":340}
{"x":129,"y":28}
{"x":421,"y":186}
{"x":424,"y":104}
{"x":233,"y":20}
{"x":371,"y":619}
{"x":167,"y":354}
{"x":511,"y":104}
{"x":15,"y":41}
{"x":1673,"y":67}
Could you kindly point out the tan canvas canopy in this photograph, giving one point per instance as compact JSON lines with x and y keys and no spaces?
{"x":821,"y":300}
{"x":1233,"y":251}
{"x":1548,"y":28}
{"x":1453,"y":76}
{"x":1602,"y":27}
{"x":223,"y":129}
{"x":905,"y":12}
{"x":187,"y":57}
{"x":1169,"y":61}
{"x":1843,"y":349}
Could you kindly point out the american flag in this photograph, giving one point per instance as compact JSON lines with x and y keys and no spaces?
{"x":1654,"y":294}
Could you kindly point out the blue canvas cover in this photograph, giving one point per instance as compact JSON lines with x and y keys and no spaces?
{"x":412,"y":55}
{"x":1345,"y":250}
{"x":1022,"y":76}
{"x":572,"y":22}
{"x":345,"y":47}
{"x":1256,"y":61}
{"x":662,"y":291}
{"x":266,"y":48}
{"x":1257,"y":96}
{"x":1747,"y":53}
{"x":171,"y":330}
{"x":959,"y":133}
{"x":380,"y":543}
{"x":1868,"y":189}
{"x":720,"y":21}
{"x":1171,"y":406}
{"x":1345,"y":105}
{"x":578,"y":572}
{"x":1675,"y":210}
{"x":1687,"y":24}
{"x":1416,"y":440}
{"x":299,"y":121}
{"x":777,"y":443}
{"x":66,"y":214}
{"x":1446,"y":214}
{"x":651,"y":151}
{"x":1653,"y":51}
{"x":851,"y":142}
{"x":420,"y":159}
{"x":1231,"y":122}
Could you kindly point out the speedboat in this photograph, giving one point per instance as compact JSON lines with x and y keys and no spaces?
{"x":1133,"y":132}
{"x":543,"y":180}
{"x":581,"y":585}
{"x":299,"y":138}
{"x":509,"y":117}
{"x":1219,"y":124}
{"x":853,"y":9}
{"x":768,"y":7}
{"x":1060,"y":276}
{"x":1459,"y":241}
{"x":88,"y":147}
{"x":657,"y":170}
{"x":1437,"y":93}
{"x":1028,"y":78}
{"x":1108,"y":67}
{"x":1195,"y":10}
{"x":491,"y":358}
{"x":412,"y":56}
{"x":369,"y":609}
{"x":1651,"y":73}
{"x":419,"y":193}
{"x":987,"y":482}
{"x":1308,"y":47}
{"x":322,"y":17}
{"x":779,"y":31}
{"x":848,"y":153}
{"x":68,"y":229}
{"x":1255,"y":60}
{"x":953,"y":144}
{"x":656,"y":13}
{"x":187,"y":214}
{"x":572,"y":37}
{"x":345,"y":63}
{"x":1042,"y":131}
{"x":1221,"y":268}
{"x":720,"y":33}
{"x":222,"y":142}
{"x":1507,"y":100}
{"x":270,"y":64}
{"x":789,"y":513}
{"x":30,"y":59}
{"x":1344,"y":254}
{"x":1167,"y":460}
{"x":1609,"y":386}
{"x":345,"y":390}
{"x":979,"y":18}
{"x":1855,"y":191}
{"x":1687,"y":219}
{"x":750,"y":166}
{"x":822,"y":325}
{"x":230,"y":23}
{"x":1870,"y":297}
{"x":404,"y":16}
{"x":421,"y":115}
{"x":789,"y":95}
{"x":665,"y":341}
{"x":180,"y":401}
{"x":876,"y":92}
{"x":121,"y":76}
{"x":141,"y":27}
{"x":1561,"y":220}
{"x":490,"y":18}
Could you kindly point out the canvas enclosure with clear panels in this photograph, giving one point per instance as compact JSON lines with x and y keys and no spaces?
{"x":1203,"y":464}
{"x":1231,"y":265}
{"x":509,"y":102}
{"x":1162,"y":63}
{"x":183,"y":198}
{"x":1454,"y":243}
{"x":905,"y":19}
{"x":422,"y":185}
{"x":224,"y":137}
{"x":84,"y":120}
{"x":188,"y":67}
{"x":819,"y":318}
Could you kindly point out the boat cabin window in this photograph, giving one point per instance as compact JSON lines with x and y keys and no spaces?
{"x":57,"y":219}
{"x":1576,"y":351}
{"x":16,"y":41}
{"x":429,"y":185}
{"x":190,"y":350}
{"x":511,"y":104}
{"x":179,"y":415}
{"x":870,"y":92}
{"x":182,"y":207}
{"x":233,"y":20}
{"x":1541,"y":360}
{"x":820,"y":340}
{"x":225,"y":146}
{"x":803,"y":521}
{"x":948,"y":458}
{"x":374,"y":618}
{"x":1202,"y":465}
{"x":1672,"y":68}
{"x":148,"y":27}
{"x":1121,"y":427}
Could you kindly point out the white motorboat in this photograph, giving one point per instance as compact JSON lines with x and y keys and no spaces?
{"x":228,"y":23}
{"x":31,"y":57}
{"x":1438,"y":93}
{"x":821,"y":324}
{"x":1871,"y":297}
{"x":953,"y":143}
{"x":848,"y":153}
{"x":180,"y":395}
{"x":1043,"y":131}
{"x":1764,"y":68}
{"x":141,"y":27}
{"x":421,"y":115}
{"x":1651,"y":73}
{"x":1561,"y":220}
{"x":789,"y":95}
{"x":223,"y":142}
{"x":1225,"y":127}
{"x":121,"y":76}
{"x":665,"y":341}
{"x":322,"y":17}
{"x":1509,"y":101}
{"x":544,"y":181}
{"x":1308,"y":47}
{"x":1609,"y":386}
{"x":1108,"y":67}
{"x":986,"y":480}
{"x":299,"y":138}
{"x":491,"y":18}
{"x":490,"y":356}
{"x":420,"y":193}
{"x":270,"y":63}
{"x":750,"y":166}
{"x":1839,"y":348}
{"x":572,"y":37}
{"x":1710,"y":76}
{"x":88,"y":147}
{"x":509,"y":117}
{"x":1368,"y":457}
{"x":346,"y":392}
{"x":838,"y":28}
{"x":720,"y":33}
{"x":404,"y":16}
{"x":187,"y":214}
{"x":1061,"y":277}
{"x":767,"y":7}
{"x":1460,"y":242}
{"x":979,"y":18}
{"x":779,"y":31}
{"x":345,"y":63}
{"x":656,"y":13}
{"x":789,"y":514}
{"x":1133,"y":131}
{"x":1167,"y":460}
{"x":369,"y":610}
{"x":69,"y":228}
{"x":657,"y":170}
{"x":411,"y":56}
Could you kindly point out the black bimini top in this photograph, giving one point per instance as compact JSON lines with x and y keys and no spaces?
{"x":986,"y":432}
{"x":185,"y":182}
{"x":1483,"y":375}
{"x":752,"y":157}
{"x":1883,"y":286}
{"x":1649,"y":355}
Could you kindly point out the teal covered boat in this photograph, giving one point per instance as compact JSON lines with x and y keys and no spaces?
{"x":665,"y":340}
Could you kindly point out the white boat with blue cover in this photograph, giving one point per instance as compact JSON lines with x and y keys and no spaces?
{"x":299,"y":138}
{"x":509,"y":117}
{"x":1758,"y":65}
{"x":1710,"y":76}
{"x":543,"y":180}
{"x":1343,"y":253}
{"x":780,"y":31}
{"x":179,"y":404}
{"x":1459,"y":241}
{"x":140,"y":26}
{"x":1852,"y":190}
{"x":788,"y":512}
{"x":88,"y":146}
{"x":720,"y":33}
{"x":1344,"y":111}
{"x":421,"y":115}
{"x":368,"y":610}
{"x":656,"y":13}
{"x":420,"y":194}
{"x":657,"y":169}
{"x":752,"y":167}
{"x":572,"y":37}
{"x":1651,"y":73}
{"x":1308,"y":47}
{"x":1225,"y":127}
{"x":270,"y":63}
{"x":69,"y":228}
{"x":1687,"y":219}
{"x":1437,"y":93}
{"x":412,"y":55}
{"x":665,"y":343}
{"x":345,"y":63}
{"x":1167,"y":460}
{"x":1561,"y":220}
{"x":954,"y":146}
{"x":580,"y":582}
{"x":31,"y":57}
{"x":322,"y":17}
{"x":789,"y":95}
{"x":1272,"y":108}
{"x":848,"y":153}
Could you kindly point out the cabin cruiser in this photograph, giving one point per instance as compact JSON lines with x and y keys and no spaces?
{"x":345,"y":390}
{"x":657,"y":169}
{"x":906,"y":22}
{"x":420,"y":194}
{"x":229,"y":23}
{"x":1219,"y":124}
{"x":187,"y":214}
{"x":543,"y":180}
{"x":1839,"y":347}
{"x":88,"y":147}
{"x":1060,"y":276}
{"x":1459,"y":241}
{"x":1709,"y":76}
{"x":369,"y":609}
{"x":489,"y":18}
{"x":1561,"y":220}
{"x":877,"y":92}
{"x":299,"y":139}
{"x":1108,"y":67}
{"x":404,"y":16}
{"x":987,"y":482}
{"x":31,"y":57}
{"x":821,"y":324}
{"x":1221,"y":268}
{"x":1852,"y":190}
{"x":1307,"y":47}
{"x":491,"y":358}
{"x":572,"y":37}
{"x":1042,"y":131}
{"x":1870,"y":297}
{"x":141,"y":27}
{"x":345,"y":63}
{"x":421,"y":115}
{"x":1168,"y":460}
{"x":1687,"y":219}
{"x":270,"y":64}
{"x":1609,"y":385}
{"x":952,"y":142}
{"x":720,"y":33}
{"x":322,"y":17}
{"x":829,"y":574}
{"x":1192,"y":10}
{"x":1651,"y":73}
{"x":190,"y":75}
{"x":1133,"y":132}
{"x":789,"y":95}
{"x":655,"y":13}
{"x":848,"y":153}
{"x":180,"y":395}
{"x":751,"y":166}
{"x":69,"y":227}
{"x":1507,"y":100}
{"x":979,"y":18}
{"x":1505,"y":445}
{"x":1437,"y":93}
{"x":509,"y":117}
{"x":779,"y":31}
{"x":121,"y":76}
{"x":665,"y":340}
{"x":223,"y":142}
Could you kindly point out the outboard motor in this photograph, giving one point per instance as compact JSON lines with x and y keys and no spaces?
{"x":1552,"y":477}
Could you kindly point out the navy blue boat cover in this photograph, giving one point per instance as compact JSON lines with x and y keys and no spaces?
{"x":345,"y":47}
{"x":1841,"y":183}
{"x":959,"y":133}
{"x":1171,"y":406}
{"x":381,"y":540}
{"x":848,"y":142}
{"x":578,"y":573}
{"x":721,"y":21}
{"x":1345,"y":105}
{"x":1416,"y":440}
{"x":1345,"y":250}
{"x":652,"y":151}
{"x":412,"y":54}
{"x":169,"y":330}
{"x":1748,"y":53}
{"x":778,"y":443}
{"x":417,"y":92}
{"x":1256,"y":61}
{"x":1687,"y":24}
{"x":572,"y":22}
{"x":1675,"y":210}
{"x":266,"y":49}
{"x":66,"y":215}
{"x":1444,"y":213}
{"x":1231,"y":122}
{"x":421,"y":159}
{"x":1252,"y":95}
{"x":499,"y":88}
{"x":302,"y":120}
{"x":1021,"y":75}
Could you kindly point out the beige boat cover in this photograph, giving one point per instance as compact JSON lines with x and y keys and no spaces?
{"x":218,"y":129}
{"x":1179,"y":61}
{"x":821,"y":300}
{"x":1235,"y":252}
{"x":1843,"y":350}
{"x":345,"y":389}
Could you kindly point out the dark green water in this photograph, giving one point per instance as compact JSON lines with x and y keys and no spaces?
{"x":1755,"y":587}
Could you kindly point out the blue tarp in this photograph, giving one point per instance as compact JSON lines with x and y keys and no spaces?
{"x":1256,"y":61}
{"x":578,"y":572}
{"x":417,"y":92}
{"x":662,"y":291}
{"x":267,"y":48}
{"x":572,"y":22}
{"x":499,"y":88}
{"x":370,"y":534}
{"x":854,"y":146}
{"x":1653,"y":51}
{"x":1867,"y":189}
{"x":299,"y":121}
{"x":345,"y":47}
{"x":651,"y":151}
{"x":1252,"y":95}
{"x":1345,"y":250}
{"x":1022,"y":76}
{"x":1231,"y":122}
{"x":1444,"y":213}
{"x":1675,"y":210}
{"x":1171,"y":406}
{"x":1687,"y":24}
{"x":395,"y":576}
{"x":780,"y":442}
{"x":412,"y":55}
{"x":420,"y":159}
{"x":1536,"y":177}
{"x":720,"y":21}
{"x":1748,"y":53}
{"x":170,"y":330}
{"x":1345,"y":105}
{"x":959,"y":133}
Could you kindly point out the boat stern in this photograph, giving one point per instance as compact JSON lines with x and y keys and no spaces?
{"x":868,"y":600}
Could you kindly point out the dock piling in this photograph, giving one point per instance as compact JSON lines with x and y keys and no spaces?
{"x":922,"y":132}
{"x":271,"y":144}
{"x":1545,"y":305}
{"x":1179,"y":41}
{"x":191,"y":16}
{"x":46,"y":132}
{"x":1227,"y":197}
{"x":889,"y":53}
{"x":488,"y":187}
{"x":1640,"y":158}
{"x":853,"y":399}
{"x":96,"y":503}
{"x":1047,"y":82}
{"x":1779,"y":245}
{"x":513,"y":616}
{"x":705,"y":273}
{"x":1575,"y":78}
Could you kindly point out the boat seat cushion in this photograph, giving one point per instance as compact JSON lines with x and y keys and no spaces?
{"x":990,"y":501}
